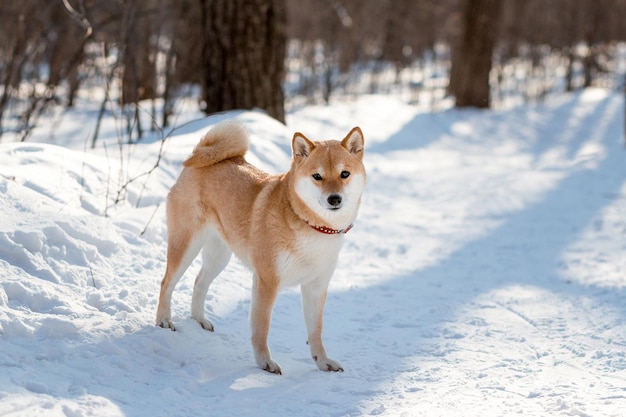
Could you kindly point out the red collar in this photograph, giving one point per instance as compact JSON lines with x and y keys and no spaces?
{"x":329,"y":231}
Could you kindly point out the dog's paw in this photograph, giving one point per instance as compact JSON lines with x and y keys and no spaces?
{"x":166,"y":324}
{"x":328,"y":365}
{"x":271,"y":366}
{"x":206,"y":325}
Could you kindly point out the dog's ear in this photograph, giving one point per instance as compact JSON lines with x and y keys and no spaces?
{"x":354,"y":142}
{"x":301,"y":146}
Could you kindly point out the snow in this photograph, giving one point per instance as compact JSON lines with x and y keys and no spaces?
{"x":485,"y":275}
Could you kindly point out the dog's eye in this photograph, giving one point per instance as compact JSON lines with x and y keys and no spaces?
{"x":317,"y":177}
{"x":345,"y":174}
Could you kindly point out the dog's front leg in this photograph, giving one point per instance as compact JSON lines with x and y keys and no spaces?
{"x":313,"y":300}
{"x":263,"y":298}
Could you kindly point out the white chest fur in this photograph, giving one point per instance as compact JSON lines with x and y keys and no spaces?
{"x":315,"y":258}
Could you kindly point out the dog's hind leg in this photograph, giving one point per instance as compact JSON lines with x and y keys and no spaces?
{"x":215,"y":257}
{"x":182,"y":247}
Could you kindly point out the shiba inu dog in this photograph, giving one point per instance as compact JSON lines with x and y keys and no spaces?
{"x":288,"y":229}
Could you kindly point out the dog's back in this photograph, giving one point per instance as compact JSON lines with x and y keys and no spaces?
{"x":217,"y":189}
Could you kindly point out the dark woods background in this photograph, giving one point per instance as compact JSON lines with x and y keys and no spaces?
{"x":266,"y":54}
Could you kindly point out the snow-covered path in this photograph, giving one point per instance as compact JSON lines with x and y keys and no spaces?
{"x":486,"y":276}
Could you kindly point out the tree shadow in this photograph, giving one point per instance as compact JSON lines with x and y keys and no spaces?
{"x":421,"y":131}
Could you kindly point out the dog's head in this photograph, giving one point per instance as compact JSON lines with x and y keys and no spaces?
{"x":329,"y":176}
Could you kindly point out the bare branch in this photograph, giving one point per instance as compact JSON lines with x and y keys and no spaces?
{"x":79,"y":17}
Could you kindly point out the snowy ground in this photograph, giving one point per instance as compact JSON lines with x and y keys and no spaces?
{"x":486,"y":275}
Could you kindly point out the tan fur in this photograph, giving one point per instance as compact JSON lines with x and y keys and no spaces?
{"x":211,"y":149}
{"x":222,"y":204}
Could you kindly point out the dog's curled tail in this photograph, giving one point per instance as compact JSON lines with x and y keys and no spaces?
{"x":225,"y":140}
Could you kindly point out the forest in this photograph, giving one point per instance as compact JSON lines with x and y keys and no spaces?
{"x":146,"y":55}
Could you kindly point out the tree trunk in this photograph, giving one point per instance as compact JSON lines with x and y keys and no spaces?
{"x":592,"y":39}
{"x":243,"y":55}
{"x":139,"y":73}
{"x":471,"y":61}
{"x":569,"y":75}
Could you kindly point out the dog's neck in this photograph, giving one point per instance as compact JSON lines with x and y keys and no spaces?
{"x":329,"y":231}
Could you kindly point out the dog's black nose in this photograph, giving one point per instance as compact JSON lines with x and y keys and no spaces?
{"x":334,"y":200}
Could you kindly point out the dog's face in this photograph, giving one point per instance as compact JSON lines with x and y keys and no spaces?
{"x":330,"y":176}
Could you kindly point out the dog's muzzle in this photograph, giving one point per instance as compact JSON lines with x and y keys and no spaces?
{"x":334,"y":200}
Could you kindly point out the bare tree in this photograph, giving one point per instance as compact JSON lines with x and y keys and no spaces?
{"x":471,"y":63}
{"x":243,"y":55}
